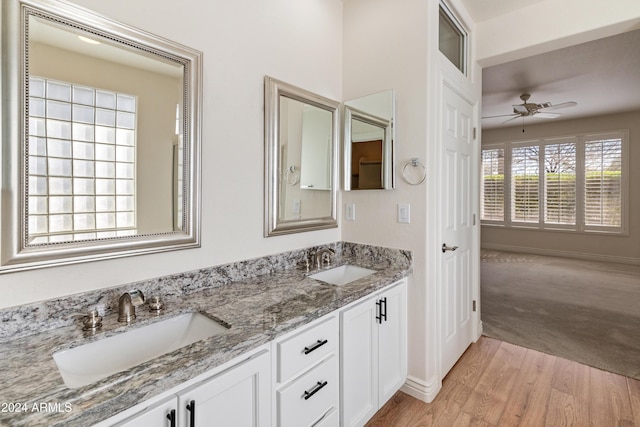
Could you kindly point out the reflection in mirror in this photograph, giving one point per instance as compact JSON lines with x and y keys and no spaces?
{"x":300,"y":159}
{"x":109,"y":144}
{"x":368,"y":145}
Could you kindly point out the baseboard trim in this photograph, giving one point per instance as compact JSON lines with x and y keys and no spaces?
{"x":425,"y":391}
{"x":565,"y":254}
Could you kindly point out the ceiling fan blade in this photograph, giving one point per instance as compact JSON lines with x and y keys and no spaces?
{"x":545,"y":115}
{"x":520,"y":108}
{"x":501,"y":115}
{"x":563,"y":105}
{"x":512,"y":118}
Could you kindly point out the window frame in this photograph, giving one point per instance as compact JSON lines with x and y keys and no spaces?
{"x":579,"y":227}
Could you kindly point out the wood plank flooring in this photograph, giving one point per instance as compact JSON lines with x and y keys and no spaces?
{"x":500,"y":384}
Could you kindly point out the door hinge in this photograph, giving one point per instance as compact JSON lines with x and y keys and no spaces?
{"x":475,"y":133}
{"x":474,"y":305}
{"x":474,"y":219}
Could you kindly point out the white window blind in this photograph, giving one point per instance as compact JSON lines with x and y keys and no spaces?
{"x":560,"y":183}
{"x":575,"y":183}
{"x":525,"y":188}
{"x":603,"y":183}
{"x":81,"y":162}
{"x":492,"y":184}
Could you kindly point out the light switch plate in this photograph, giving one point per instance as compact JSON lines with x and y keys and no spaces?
{"x":296,"y":206}
{"x":404,"y":213}
{"x":350,"y":211}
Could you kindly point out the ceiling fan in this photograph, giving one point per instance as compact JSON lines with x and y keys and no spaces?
{"x":529,"y":109}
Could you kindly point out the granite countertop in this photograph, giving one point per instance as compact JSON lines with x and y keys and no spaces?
{"x":257,"y":309}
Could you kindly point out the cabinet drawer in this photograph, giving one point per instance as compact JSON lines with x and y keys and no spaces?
{"x":306,"y":348}
{"x":331,"y":419}
{"x":307,"y":399}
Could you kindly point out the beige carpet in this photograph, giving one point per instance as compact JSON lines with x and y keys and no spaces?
{"x":580,"y":310}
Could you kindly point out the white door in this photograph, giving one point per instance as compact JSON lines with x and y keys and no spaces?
{"x":239,"y":397}
{"x":457,"y":228}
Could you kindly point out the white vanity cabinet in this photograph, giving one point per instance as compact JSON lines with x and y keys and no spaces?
{"x":238,"y":395}
{"x":306,"y":375}
{"x":373,"y":350}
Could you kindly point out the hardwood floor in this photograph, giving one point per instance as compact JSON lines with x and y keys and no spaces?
{"x":501,"y":384}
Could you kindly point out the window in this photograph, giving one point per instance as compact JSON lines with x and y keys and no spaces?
{"x":81,"y":162}
{"x":575,"y":183}
{"x":603,"y":182}
{"x":493,"y":184}
{"x":452,"y":39}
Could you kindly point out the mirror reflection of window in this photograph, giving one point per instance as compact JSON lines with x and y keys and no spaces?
{"x":82,"y":145}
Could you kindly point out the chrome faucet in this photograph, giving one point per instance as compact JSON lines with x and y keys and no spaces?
{"x":127,"y":305}
{"x":321,"y":254}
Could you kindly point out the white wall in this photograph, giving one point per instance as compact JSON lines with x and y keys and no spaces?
{"x":620,"y":248}
{"x":299,"y":42}
{"x":385,"y":47}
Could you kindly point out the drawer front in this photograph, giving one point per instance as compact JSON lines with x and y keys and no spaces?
{"x":302,"y":350}
{"x":304,"y":402}
{"x":331,"y":419}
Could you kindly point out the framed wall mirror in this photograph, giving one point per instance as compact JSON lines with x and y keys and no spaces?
{"x":101,"y":130}
{"x":301,"y":148}
{"x":369,"y":142}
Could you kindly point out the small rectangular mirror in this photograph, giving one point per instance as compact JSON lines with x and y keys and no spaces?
{"x":301,"y":145}
{"x":368,"y":142}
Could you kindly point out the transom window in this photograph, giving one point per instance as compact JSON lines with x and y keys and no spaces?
{"x":575,"y":183}
{"x":82,"y":149}
{"x":452,"y":39}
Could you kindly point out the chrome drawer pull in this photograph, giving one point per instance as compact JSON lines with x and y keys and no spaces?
{"x":316,"y":388}
{"x":316,"y":346}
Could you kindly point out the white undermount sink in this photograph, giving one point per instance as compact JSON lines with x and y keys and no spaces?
{"x":343,"y":274}
{"x":91,"y":362}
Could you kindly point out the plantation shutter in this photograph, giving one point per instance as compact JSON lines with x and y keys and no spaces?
{"x":492,"y":184}
{"x":525,"y":188}
{"x":603,"y":183}
{"x":560,"y":183}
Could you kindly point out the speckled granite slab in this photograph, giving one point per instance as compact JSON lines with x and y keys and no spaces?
{"x":261,"y":299}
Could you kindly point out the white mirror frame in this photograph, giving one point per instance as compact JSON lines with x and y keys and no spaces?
{"x":15,"y":252}
{"x":273,"y":91}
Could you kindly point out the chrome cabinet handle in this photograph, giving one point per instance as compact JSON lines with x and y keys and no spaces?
{"x":446,"y":248}
{"x":316,"y":388}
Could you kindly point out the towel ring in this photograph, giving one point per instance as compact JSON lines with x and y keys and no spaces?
{"x":414,"y":163}
{"x":291,"y":175}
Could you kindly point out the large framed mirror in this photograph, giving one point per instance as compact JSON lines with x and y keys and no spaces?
{"x":369,"y":142}
{"x":301,"y":149}
{"x":100,"y":138}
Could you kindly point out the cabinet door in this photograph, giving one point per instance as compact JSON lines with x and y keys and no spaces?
{"x":153,"y":416}
{"x":392,"y":342}
{"x":359,"y":357}
{"x":238,"y":397}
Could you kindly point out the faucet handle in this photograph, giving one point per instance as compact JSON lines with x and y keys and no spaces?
{"x":92,"y":320}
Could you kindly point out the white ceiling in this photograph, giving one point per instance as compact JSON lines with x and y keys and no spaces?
{"x":602,"y":76}
{"x":481,"y":10}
